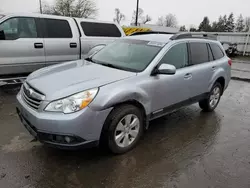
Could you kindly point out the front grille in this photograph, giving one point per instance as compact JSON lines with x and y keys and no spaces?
{"x":31,"y":97}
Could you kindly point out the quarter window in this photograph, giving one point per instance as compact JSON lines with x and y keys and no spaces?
{"x":100,"y":29}
{"x":217,"y":51}
{"x":199,"y":53}
{"x":15,"y":28}
{"x":57,"y":29}
{"x":177,"y":56}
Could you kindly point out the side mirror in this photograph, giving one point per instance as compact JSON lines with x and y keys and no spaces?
{"x":166,"y":69}
{"x":2,"y":35}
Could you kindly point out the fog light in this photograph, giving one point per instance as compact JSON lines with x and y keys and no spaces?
{"x":59,"y":138}
{"x":67,"y":139}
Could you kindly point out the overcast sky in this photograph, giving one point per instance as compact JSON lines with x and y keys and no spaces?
{"x":188,"y":12}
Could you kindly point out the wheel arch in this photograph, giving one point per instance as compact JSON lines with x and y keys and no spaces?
{"x":128,"y":102}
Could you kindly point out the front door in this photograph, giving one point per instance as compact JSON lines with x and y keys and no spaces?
{"x":172,"y":90}
{"x":21,"y":46}
{"x":61,"y":41}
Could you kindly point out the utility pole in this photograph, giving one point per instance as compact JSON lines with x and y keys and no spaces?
{"x":40,"y":4}
{"x":136,"y":14}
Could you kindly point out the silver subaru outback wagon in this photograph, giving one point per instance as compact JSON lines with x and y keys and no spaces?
{"x":109,"y":98}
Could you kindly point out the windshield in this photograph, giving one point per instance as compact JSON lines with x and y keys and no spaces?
{"x":131,"y":55}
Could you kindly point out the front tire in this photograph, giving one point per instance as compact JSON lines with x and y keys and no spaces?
{"x":210,"y":103}
{"x":124,"y":127}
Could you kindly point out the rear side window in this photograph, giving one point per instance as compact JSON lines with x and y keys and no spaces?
{"x":92,"y":29}
{"x":217,"y":52}
{"x":57,"y":29}
{"x":199,"y":53}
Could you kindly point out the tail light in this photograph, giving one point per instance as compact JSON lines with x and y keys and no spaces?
{"x":230,"y":62}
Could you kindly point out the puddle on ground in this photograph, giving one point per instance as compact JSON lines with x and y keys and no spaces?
{"x":22,"y":142}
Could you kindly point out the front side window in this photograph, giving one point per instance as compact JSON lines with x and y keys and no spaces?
{"x":199,"y":53}
{"x":15,"y":28}
{"x":131,"y":55}
{"x":177,"y":56}
{"x":93,"y":29}
{"x":57,"y":29}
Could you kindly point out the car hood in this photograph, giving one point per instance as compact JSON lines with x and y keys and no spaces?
{"x":69,"y":78}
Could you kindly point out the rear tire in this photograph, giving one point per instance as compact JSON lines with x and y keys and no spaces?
{"x":213,"y":99}
{"x":123,"y":129}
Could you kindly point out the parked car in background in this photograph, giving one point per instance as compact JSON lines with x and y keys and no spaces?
{"x":32,"y":41}
{"x":110,"y":97}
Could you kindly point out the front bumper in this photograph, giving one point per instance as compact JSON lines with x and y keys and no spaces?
{"x":83,"y":127}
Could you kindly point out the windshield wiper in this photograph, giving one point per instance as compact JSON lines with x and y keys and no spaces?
{"x":112,"y":66}
{"x":90,"y":59}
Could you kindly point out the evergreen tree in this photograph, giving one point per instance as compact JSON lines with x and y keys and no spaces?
{"x":183,"y":28}
{"x":205,"y":25}
{"x":239,"y":26}
{"x":229,"y":26}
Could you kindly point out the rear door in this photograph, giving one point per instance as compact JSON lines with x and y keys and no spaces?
{"x":201,"y":68}
{"x":97,"y":33}
{"x":21,"y":46}
{"x":61,"y":39}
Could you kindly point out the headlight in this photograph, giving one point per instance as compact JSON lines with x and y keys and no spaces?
{"x":73,"y":103}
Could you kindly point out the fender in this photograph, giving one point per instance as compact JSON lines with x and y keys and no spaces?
{"x":106,"y":99}
{"x":220,"y":72}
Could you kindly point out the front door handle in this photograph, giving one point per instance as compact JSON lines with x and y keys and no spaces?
{"x":214,"y":67}
{"x":72,"y":45}
{"x":38,"y":45}
{"x":188,"y":76}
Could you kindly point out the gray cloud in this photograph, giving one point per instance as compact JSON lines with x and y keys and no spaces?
{"x":187,"y":12}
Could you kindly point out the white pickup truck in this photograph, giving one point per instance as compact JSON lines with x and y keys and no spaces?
{"x":32,"y":41}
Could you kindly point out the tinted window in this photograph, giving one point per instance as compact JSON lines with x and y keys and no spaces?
{"x":199,"y":53}
{"x":131,"y":55}
{"x":177,"y":56}
{"x":217,"y":52}
{"x":100,"y":29}
{"x":15,"y":28}
{"x":57,"y":29}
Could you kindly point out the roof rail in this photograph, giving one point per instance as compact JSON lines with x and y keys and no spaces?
{"x":192,"y":35}
{"x":150,"y":32}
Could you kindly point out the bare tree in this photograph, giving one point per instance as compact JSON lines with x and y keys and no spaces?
{"x":168,"y":21}
{"x":141,"y":18}
{"x":118,"y":16}
{"x":73,"y":8}
{"x":147,"y":19}
{"x":160,"y":21}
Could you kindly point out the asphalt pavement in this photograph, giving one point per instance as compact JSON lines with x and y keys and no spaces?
{"x":188,"y":148}
{"x":241,"y":70}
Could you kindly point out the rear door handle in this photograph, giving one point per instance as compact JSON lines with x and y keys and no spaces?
{"x":188,"y":76}
{"x":38,"y":45}
{"x":72,"y":45}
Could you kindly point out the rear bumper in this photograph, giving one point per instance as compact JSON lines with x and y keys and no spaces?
{"x":82,"y":128}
